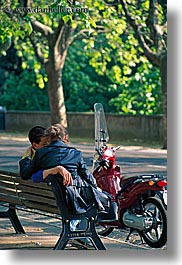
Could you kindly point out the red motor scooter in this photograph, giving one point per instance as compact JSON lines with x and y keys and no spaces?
{"x":138,"y":202}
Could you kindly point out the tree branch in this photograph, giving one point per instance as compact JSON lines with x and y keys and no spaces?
{"x":147,"y":51}
{"x":58,"y":34}
{"x":65,"y":38}
{"x":37,"y":51}
{"x":150,"y":19}
{"x":156,"y":30}
{"x":81,"y":32}
{"x":39,"y":27}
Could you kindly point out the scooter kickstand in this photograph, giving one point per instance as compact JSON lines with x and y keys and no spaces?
{"x":131,"y":231}
{"x":128,"y":236}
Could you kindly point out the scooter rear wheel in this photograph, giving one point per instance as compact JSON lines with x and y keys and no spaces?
{"x":156,"y":235}
{"x":104,"y":230}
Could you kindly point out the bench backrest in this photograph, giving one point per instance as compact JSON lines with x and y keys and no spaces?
{"x":16,"y":191}
{"x":50,"y":197}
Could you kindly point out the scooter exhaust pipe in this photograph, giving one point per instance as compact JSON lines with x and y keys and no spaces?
{"x":137,"y":221}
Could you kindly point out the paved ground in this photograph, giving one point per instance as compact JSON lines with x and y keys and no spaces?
{"x":42,"y":232}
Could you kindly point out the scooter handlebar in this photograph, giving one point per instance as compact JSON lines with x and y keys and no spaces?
{"x":98,"y":152}
{"x":117,"y":147}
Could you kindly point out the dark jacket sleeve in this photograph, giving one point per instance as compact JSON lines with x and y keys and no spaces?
{"x":85,"y":173}
{"x":28,"y":166}
{"x":25,"y":168}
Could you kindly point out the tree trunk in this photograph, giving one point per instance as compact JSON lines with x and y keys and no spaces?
{"x":163,"y":74}
{"x":56,"y":95}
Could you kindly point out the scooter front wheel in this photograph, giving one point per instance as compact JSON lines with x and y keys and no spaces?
{"x":103,"y":230}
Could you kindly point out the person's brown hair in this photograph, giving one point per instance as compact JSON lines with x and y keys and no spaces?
{"x":57,"y":131}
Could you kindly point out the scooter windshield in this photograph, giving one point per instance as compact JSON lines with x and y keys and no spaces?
{"x":101,"y":132}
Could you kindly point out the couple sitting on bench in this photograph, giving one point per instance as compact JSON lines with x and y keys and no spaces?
{"x":50,"y":155}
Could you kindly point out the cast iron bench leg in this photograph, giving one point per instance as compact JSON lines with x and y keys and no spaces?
{"x":11,"y":214}
{"x":67,"y":234}
{"x":64,"y":238}
{"x":95,"y":237}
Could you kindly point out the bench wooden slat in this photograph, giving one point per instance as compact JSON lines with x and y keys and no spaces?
{"x":36,"y":191}
{"x":7,"y":173}
{"x":39,"y":199}
{"x":42,"y":207}
{"x":6,"y":178}
{"x":8,"y":191}
{"x":16,"y":179}
{"x":4,"y":175}
{"x":10,"y":199}
{"x":29,"y":183}
{"x":7,"y":184}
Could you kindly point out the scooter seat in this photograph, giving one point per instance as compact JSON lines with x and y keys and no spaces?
{"x":126,"y":179}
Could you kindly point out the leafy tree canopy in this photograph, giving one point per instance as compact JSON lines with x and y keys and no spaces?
{"x":104,"y":62}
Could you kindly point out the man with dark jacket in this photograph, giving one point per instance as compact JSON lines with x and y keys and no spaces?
{"x":61,"y":160}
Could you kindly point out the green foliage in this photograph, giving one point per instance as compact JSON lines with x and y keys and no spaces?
{"x":105,"y":65}
{"x":115,"y":54}
{"x":12,"y":26}
{"x":22,"y":93}
{"x":141,"y":93}
{"x":82,"y":85}
{"x":29,"y":61}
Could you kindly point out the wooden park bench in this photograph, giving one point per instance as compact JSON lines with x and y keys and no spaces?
{"x":50,"y":198}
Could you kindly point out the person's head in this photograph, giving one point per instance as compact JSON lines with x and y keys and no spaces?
{"x":37,"y":137}
{"x":58,"y":131}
